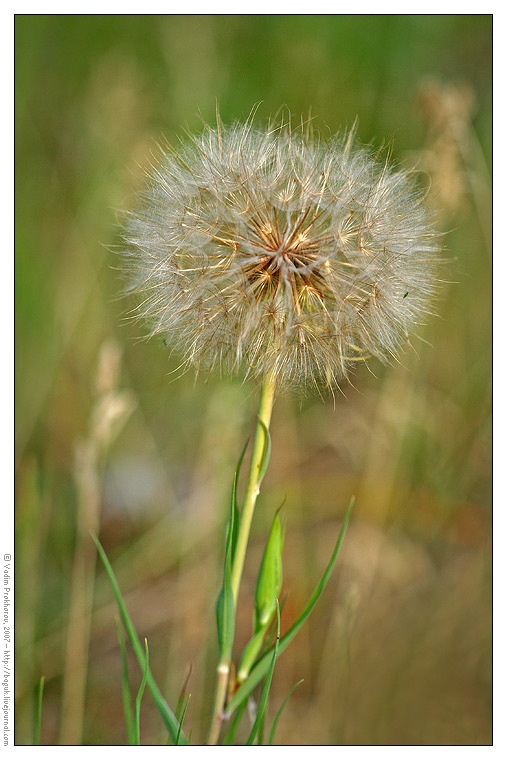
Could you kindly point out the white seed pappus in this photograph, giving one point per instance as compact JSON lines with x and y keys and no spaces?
{"x":276,"y":250}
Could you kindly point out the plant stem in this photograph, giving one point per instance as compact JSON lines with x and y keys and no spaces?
{"x":253,"y":485}
{"x":220,"y":692}
{"x":252,"y":491}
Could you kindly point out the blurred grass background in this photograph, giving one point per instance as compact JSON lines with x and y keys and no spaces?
{"x":398,"y":651}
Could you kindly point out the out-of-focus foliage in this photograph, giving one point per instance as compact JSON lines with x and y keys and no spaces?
{"x":109,"y":436}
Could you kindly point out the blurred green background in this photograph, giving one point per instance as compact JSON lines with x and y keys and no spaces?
{"x":398,"y":650}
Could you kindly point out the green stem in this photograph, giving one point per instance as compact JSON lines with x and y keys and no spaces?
{"x":252,"y":491}
{"x":253,"y":484}
{"x":220,"y":693}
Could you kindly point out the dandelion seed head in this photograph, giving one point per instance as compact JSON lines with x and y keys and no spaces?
{"x":274,"y":250}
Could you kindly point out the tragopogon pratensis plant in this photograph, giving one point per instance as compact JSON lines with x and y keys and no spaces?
{"x":289,"y":256}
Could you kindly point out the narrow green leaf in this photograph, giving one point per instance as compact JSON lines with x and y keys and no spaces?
{"x":261,"y":667}
{"x":137,"y":716}
{"x":240,"y":460}
{"x":125,"y":687}
{"x":225,"y":617}
{"x":267,"y":591}
{"x":250,"y":654}
{"x":163,"y":708}
{"x":267,"y":685}
{"x":271,"y":628}
{"x":38,"y":711}
{"x":181,"y":699}
{"x":269,"y":581}
{"x":266,"y":453}
{"x":277,"y":716}
{"x":234,"y":504}
{"x":225,"y":602}
{"x":225,"y":609}
{"x":262,"y":727}
{"x":182,"y":719}
{"x":234,"y":724}
{"x":232,"y":528}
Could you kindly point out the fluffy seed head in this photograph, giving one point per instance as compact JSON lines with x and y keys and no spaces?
{"x":277,"y":251}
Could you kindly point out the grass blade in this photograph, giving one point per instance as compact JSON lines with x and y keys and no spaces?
{"x":265,"y":454}
{"x":163,"y":708}
{"x":262,"y":727}
{"x":137,"y":718}
{"x":277,"y":716}
{"x":271,"y":629}
{"x":38,"y":711}
{"x":250,"y":654}
{"x":234,"y":503}
{"x":225,"y":609}
{"x":265,"y":692}
{"x":182,"y":719}
{"x":269,"y":581}
{"x":225,"y":618}
{"x":125,"y":686}
{"x":262,"y":666}
{"x":234,"y":724}
{"x":181,"y":699}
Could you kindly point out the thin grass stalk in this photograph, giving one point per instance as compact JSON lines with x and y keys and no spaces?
{"x":125,"y":687}
{"x":163,"y":708}
{"x":137,"y":713}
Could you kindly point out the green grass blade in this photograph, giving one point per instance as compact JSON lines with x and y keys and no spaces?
{"x":271,"y":630}
{"x":277,"y":716}
{"x":250,"y":654}
{"x":262,"y":727}
{"x":225,"y":608}
{"x":125,"y":686}
{"x":266,"y":453}
{"x":234,"y":503}
{"x":228,"y":738}
{"x":181,"y":699}
{"x":163,"y":708}
{"x":269,"y":581}
{"x":225,"y":618}
{"x":225,"y":603}
{"x":265,"y":691}
{"x":262,"y":666}
{"x":137,"y":718}
{"x":182,"y":719}
{"x":38,"y":711}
